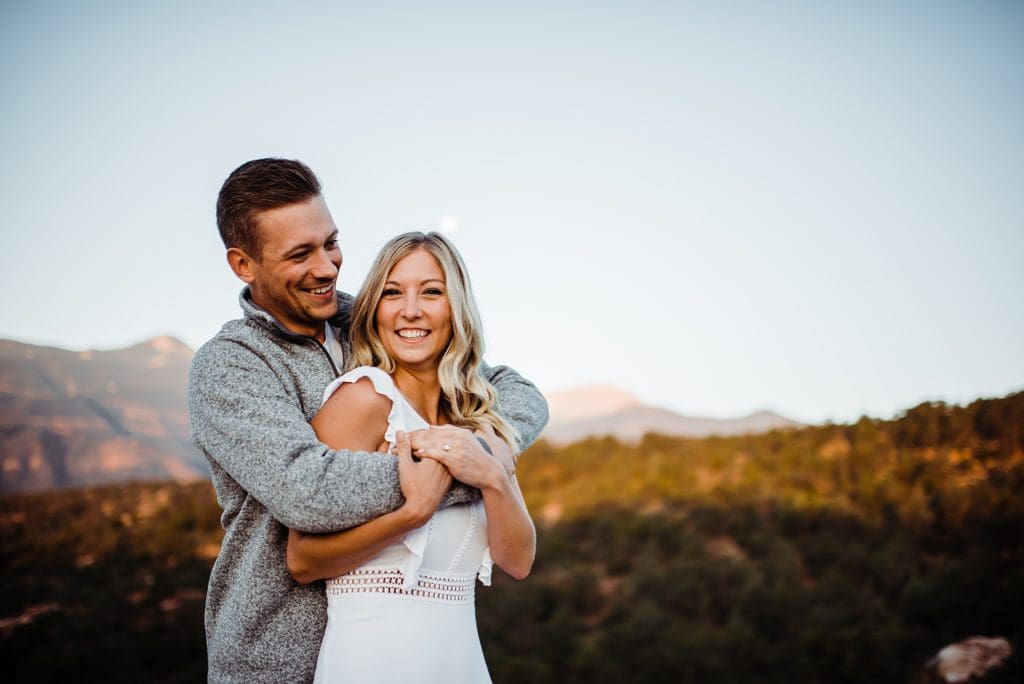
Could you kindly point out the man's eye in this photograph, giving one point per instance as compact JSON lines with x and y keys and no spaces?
{"x":332,"y":244}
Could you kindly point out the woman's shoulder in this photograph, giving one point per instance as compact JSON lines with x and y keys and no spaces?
{"x":354,"y":414}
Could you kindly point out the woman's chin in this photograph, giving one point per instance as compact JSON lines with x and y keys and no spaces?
{"x":417,"y":362}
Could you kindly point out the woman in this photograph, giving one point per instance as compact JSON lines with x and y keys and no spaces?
{"x":404,"y":578}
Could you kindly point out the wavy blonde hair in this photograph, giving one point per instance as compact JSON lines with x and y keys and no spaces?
{"x":467,"y":398}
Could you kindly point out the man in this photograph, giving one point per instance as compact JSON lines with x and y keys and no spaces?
{"x":253,"y":389}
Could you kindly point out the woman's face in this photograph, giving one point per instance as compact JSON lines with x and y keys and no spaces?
{"x":414,"y":318}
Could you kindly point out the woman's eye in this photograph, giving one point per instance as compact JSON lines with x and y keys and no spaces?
{"x":433,"y":291}
{"x":390,"y":292}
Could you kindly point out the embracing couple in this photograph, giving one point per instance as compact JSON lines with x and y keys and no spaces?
{"x":363,"y":442}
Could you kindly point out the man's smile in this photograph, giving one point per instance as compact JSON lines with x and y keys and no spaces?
{"x":322,"y":290}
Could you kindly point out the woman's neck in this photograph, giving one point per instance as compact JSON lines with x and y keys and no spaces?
{"x":423,"y":390}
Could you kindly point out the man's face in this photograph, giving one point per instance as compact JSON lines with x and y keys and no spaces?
{"x":295,"y":276}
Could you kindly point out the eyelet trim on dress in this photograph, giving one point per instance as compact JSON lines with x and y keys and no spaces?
{"x":429,"y":586}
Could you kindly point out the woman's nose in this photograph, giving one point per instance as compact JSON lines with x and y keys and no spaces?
{"x":411,"y":306}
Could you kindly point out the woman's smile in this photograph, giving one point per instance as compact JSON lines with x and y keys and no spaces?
{"x":412,"y":335}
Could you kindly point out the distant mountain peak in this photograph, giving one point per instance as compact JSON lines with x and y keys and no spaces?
{"x":596,"y":410}
{"x":167,"y":350}
{"x":166,"y":344}
{"x":589,"y":401}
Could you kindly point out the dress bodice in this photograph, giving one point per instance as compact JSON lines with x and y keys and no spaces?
{"x":440,"y":560}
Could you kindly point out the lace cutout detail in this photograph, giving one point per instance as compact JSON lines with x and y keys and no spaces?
{"x":465,"y":539}
{"x":430,"y":586}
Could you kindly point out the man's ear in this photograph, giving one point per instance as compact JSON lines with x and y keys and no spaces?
{"x":242,"y":264}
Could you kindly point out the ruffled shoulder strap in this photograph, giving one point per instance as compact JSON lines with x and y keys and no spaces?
{"x":382,"y":382}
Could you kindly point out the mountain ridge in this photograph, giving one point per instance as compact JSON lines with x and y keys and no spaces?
{"x":78,"y":418}
{"x":605,"y":410}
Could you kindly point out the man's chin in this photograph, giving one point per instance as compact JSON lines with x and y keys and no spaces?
{"x":326,"y":313}
{"x":321,"y":310}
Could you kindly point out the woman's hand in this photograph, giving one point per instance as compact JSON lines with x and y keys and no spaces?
{"x":423,"y":483}
{"x":511,"y":536}
{"x":461,"y":453}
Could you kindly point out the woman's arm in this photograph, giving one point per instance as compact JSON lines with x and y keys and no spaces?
{"x":510,"y":532}
{"x":355,"y":417}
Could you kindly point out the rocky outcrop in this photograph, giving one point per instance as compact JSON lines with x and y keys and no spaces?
{"x":967,"y":661}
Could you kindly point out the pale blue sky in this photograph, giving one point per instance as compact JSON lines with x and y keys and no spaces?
{"x":812,"y":207}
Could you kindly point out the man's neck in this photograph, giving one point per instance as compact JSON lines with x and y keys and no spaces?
{"x":317,"y":332}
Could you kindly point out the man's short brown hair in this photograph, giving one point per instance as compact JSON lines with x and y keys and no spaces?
{"x":256,"y":186}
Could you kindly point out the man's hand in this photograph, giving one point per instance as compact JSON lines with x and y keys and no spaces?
{"x":499,"y":448}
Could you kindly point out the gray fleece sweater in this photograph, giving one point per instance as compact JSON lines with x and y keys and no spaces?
{"x":252,"y":391}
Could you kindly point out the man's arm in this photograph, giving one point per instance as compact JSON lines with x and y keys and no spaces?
{"x":519,"y":402}
{"x":245,"y":420}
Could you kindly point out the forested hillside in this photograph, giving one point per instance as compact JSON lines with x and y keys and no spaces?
{"x":845,"y":553}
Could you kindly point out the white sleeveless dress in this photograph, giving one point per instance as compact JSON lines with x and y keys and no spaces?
{"x":408,"y":615}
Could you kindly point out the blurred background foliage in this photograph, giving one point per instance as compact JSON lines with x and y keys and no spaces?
{"x":835,"y":553}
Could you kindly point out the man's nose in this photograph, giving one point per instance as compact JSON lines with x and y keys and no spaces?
{"x":326,"y":267}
